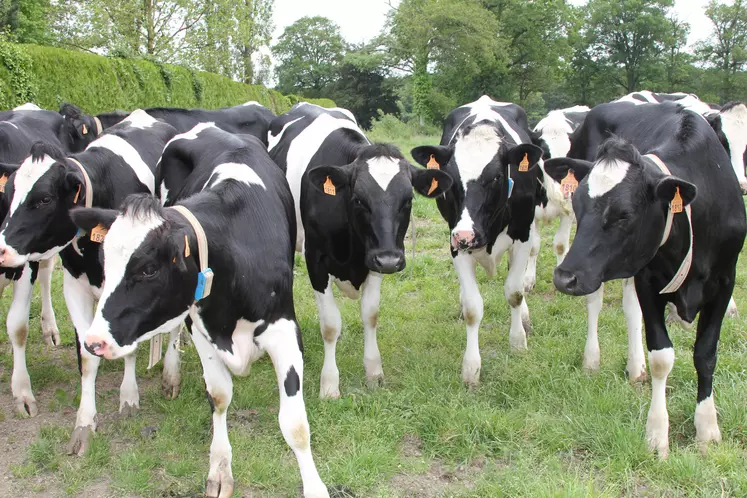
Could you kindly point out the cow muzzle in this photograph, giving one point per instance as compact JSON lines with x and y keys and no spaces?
{"x":387,"y":261}
{"x":465,"y":240}
{"x":10,"y":258}
{"x":98,"y":346}
{"x":569,"y":282}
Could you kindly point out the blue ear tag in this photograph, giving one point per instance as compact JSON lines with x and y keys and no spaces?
{"x":80,"y":233}
{"x":204,"y":284}
{"x":510,"y":186}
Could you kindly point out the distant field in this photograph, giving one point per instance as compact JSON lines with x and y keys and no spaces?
{"x":537,"y":425}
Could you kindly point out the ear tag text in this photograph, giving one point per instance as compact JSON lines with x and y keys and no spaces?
{"x":434,"y":186}
{"x":524,"y":164}
{"x":204,"y":284}
{"x":676,"y":205}
{"x":329,"y":187}
{"x":569,"y":184}
{"x":3,"y":181}
{"x":98,"y":234}
{"x":432,"y":163}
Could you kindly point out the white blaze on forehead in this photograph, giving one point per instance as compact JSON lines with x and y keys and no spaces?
{"x":734,"y":128}
{"x":235,"y":171}
{"x":606,"y":175}
{"x":556,"y":128}
{"x":273,"y":140}
{"x":383,"y":169}
{"x":474,"y":151}
{"x":482,"y":110}
{"x":191,"y":134}
{"x":26,"y":177}
{"x":465,"y":223}
{"x":140,"y":119}
{"x":130,"y":155}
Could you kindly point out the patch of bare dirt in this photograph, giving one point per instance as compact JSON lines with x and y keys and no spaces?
{"x":439,"y":480}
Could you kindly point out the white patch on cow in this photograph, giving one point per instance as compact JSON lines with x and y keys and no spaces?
{"x":130,"y":155}
{"x":235,"y":171}
{"x":474,"y":151}
{"x":383,"y":169}
{"x":465,"y":223}
{"x":140,"y":119}
{"x":657,"y":426}
{"x":273,"y":140}
{"x":337,"y":109}
{"x":556,"y":128}
{"x":346,"y":287}
{"x":26,"y":177}
{"x":191,"y":134}
{"x":472,"y":310}
{"x":251,"y":102}
{"x":244,"y":350}
{"x":693,"y":103}
{"x":28,"y":106}
{"x":370,"y":298}
{"x":646,"y":94}
{"x":606,"y":175}
{"x":636,"y":367}
{"x":481,"y":110}
{"x":8,"y":123}
{"x":576,"y":108}
{"x":706,"y":421}
{"x":330,"y":325}
{"x":734,"y":127}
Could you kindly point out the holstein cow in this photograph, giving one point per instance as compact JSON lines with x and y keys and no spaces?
{"x":674,"y":220}
{"x":490,"y":208}
{"x":251,"y":118}
{"x":553,"y":135}
{"x":352,"y":202}
{"x":41,"y":193}
{"x":223,"y":256}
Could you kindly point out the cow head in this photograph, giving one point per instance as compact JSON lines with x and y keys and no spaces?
{"x":40,"y":194}
{"x":479,"y":162}
{"x":730,"y":125}
{"x":77,"y":129}
{"x":6,"y":170}
{"x":376,"y":193}
{"x":621,"y":208}
{"x":150,"y":276}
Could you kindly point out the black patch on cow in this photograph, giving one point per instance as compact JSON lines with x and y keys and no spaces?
{"x":78,"y":353}
{"x":292,"y":382}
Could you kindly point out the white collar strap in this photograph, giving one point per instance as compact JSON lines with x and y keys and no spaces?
{"x":87,"y":181}
{"x":684,"y":269}
{"x":99,"y":128}
{"x":205,"y":277}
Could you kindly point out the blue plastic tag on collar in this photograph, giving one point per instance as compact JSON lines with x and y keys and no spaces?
{"x":204,"y":284}
{"x":80,"y":233}
{"x":510,"y":186}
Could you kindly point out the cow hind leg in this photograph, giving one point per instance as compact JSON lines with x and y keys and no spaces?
{"x":636,"y":368}
{"x":514,"y":293}
{"x":330,"y":323}
{"x":49,"y":327}
{"x":281,"y":340}
{"x":592,"y":354}
{"x":129,"y":396}
{"x":18,"y":330}
{"x":171,"y":378}
{"x":472,"y":309}
{"x":369,"y":315}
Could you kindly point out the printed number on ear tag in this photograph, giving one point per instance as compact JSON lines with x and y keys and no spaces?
{"x":524,"y":164}
{"x":434,"y":186}
{"x":569,"y":184}
{"x":329,"y":187}
{"x":3,"y":181}
{"x":98,"y":234}
{"x":432,"y":163}
{"x":204,"y":284}
{"x":676,"y":204}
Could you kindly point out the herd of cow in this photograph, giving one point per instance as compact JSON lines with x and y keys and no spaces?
{"x":169,"y":216}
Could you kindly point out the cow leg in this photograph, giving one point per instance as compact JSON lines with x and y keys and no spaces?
{"x":48,"y":320}
{"x":530,"y":274}
{"x":472,"y":310}
{"x":79,"y":301}
{"x":129,"y":396}
{"x":636,"y":367}
{"x":330,"y":323}
{"x":282,"y":341}
{"x":220,"y":391}
{"x":18,"y":330}
{"x":731,"y":310}
{"x":171,"y":379}
{"x":514,"y":293}
{"x":594,"y":303}
{"x":370,"y":295}
{"x":562,"y":239}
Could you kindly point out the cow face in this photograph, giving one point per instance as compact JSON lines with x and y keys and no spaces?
{"x":150,"y":277}
{"x":376,"y":192}
{"x":39,"y":195}
{"x":77,"y":129}
{"x":479,"y":162}
{"x":621,"y":208}
{"x":730,"y":125}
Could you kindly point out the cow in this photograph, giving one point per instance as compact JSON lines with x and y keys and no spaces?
{"x":41,"y":193}
{"x":674,"y":220}
{"x":352,"y":205}
{"x":228,"y":195}
{"x":486,"y":149}
{"x":553,"y":135}
{"x":80,"y":129}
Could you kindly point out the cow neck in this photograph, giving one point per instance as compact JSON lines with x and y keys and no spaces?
{"x":202,"y":245}
{"x":684,"y":269}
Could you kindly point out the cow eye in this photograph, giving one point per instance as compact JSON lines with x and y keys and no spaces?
{"x":44,"y":200}
{"x":150,"y":272}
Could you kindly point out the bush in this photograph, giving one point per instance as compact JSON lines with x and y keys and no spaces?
{"x":388,"y":127}
{"x":49,"y":76}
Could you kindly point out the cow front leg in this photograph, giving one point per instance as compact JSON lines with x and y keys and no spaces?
{"x":592,"y":355}
{"x":219,"y":385}
{"x":636,"y":367}
{"x":48,"y":320}
{"x":80,"y":303}
{"x":129,"y":396}
{"x":282,"y":341}
{"x":562,"y":239}
{"x":171,"y":378}
{"x":17,"y":324}
{"x":514,"y":292}
{"x":530,"y":274}
{"x":370,"y":295}
{"x":330,"y":323}
{"x":472,"y":310}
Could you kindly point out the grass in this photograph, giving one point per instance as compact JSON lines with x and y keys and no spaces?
{"x":537,"y":425}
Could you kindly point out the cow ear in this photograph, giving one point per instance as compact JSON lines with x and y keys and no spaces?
{"x":8,"y":169}
{"x":178,"y":249}
{"x":330,"y":180}
{"x":667,"y":187}
{"x":89,"y":218}
{"x":430,"y":182}
{"x":557,"y":168}
{"x":75,"y":186}
{"x":432,"y":156}
{"x":516,"y":155}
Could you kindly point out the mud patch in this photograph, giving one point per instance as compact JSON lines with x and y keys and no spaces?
{"x":439,"y":480}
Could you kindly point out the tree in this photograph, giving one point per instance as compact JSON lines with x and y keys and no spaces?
{"x":309,"y":51}
{"x":26,"y":21}
{"x":726,"y":48}
{"x":677,"y":61}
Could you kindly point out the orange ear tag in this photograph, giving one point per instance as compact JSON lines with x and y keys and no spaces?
{"x":77,"y":194}
{"x":569,"y":184}
{"x":3,"y":181}
{"x":84,"y":130}
{"x":186,"y":247}
{"x":434,"y":186}
{"x":524,"y":164}
{"x":98,"y":234}
{"x":329,"y":187}
{"x":433,"y":164}
{"x":676,"y":205}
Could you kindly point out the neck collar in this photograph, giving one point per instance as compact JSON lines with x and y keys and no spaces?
{"x":99,"y":128}
{"x":205,"y":277}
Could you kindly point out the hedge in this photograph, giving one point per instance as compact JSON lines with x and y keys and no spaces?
{"x":49,"y":76}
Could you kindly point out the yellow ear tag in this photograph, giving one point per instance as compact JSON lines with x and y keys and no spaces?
{"x":433,"y":164}
{"x":84,"y":130}
{"x":676,"y":205}
{"x":434,"y":186}
{"x":98,"y":234}
{"x":329,"y":187}
{"x":569,"y":184}
{"x":186,"y":247}
{"x":524,"y":164}
{"x":77,"y":194}
{"x":3,"y":181}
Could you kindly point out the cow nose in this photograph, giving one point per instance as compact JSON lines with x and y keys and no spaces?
{"x":96,"y":346}
{"x":462,"y":239}
{"x":388,"y":263}
{"x":565,"y":281}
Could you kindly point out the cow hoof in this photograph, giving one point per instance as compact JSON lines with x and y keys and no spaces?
{"x":636,"y":374}
{"x":170,"y":390}
{"x":127,"y":410}
{"x":80,"y":440}
{"x":518,"y":343}
{"x":220,"y":481}
{"x":26,"y":406}
{"x":591,"y":365}
{"x":329,"y":393}
{"x":374,"y":382}
{"x":52,"y":338}
{"x":658,"y":441}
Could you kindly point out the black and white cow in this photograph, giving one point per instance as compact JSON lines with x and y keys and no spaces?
{"x":553,"y":135}
{"x":626,"y":209}
{"x":152,"y":260}
{"x":490,"y":208}
{"x":251,"y":118}
{"x":38,"y":226}
{"x":353,"y":202}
